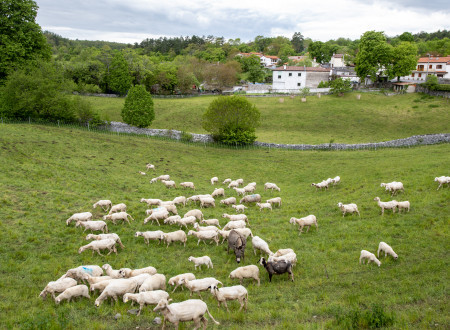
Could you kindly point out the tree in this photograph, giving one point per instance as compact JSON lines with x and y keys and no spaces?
{"x":321,"y":51}
{"x":119,"y":79}
{"x":340,"y":86}
{"x":138,"y":108}
{"x":404,"y":60}
{"x":297,"y":42}
{"x":220,"y":76}
{"x":232,"y":120}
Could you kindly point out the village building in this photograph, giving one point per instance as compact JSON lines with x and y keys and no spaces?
{"x":290,"y":79}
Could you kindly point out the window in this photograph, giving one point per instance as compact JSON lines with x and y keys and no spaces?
{"x":420,"y":75}
{"x":299,"y":74}
{"x":299,"y":84}
{"x":290,"y":74}
{"x":413,"y":75}
{"x":279,"y":76}
{"x":439,"y":66}
{"x":430,"y":67}
{"x":420,"y":68}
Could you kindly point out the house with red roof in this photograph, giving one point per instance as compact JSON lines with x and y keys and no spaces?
{"x":265,"y":60}
{"x":438,"y":66}
{"x":290,"y":79}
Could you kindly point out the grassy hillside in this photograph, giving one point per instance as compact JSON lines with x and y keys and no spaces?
{"x":374,"y":118}
{"x":47,"y":174}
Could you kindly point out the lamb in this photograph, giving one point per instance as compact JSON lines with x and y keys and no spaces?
{"x":271,"y":186}
{"x":180,"y":200}
{"x":199,"y":285}
{"x":72,"y":292}
{"x":174,"y":219}
{"x":233,"y":184}
{"x":291,"y":257}
{"x":391,"y":205}
{"x":240,"y":181}
{"x":208,"y":201}
{"x":218,"y":192}
{"x":111,"y":272}
{"x":84,"y":216}
{"x":276,"y":200}
{"x":336,"y":180}
{"x":261,"y":245}
{"x":214,"y":180}
{"x":255,"y":198}
{"x":96,"y":246}
{"x":236,"y":217}
{"x":240,"y":191}
{"x":277,"y":268}
{"x":239,"y":208}
{"x":169,"y":183}
{"x":307,"y":221}
{"x":142,"y":173}
{"x":105,"y":204}
{"x":187,"y":185}
{"x":213,"y":222}
{"x":384,"y":247}
{"x":234,"y":224}
{"x":161,"y":215}
{"x":154,"y":282}
{"x":127,"y":272}
{"x":249,"y":188}
{"x":174,"y":236}
{"x":164,"y":177}
{"x":250,"y":271}
{"x":282,"y":252}
{"x":191,"y":220}
{"x":348,"y":208}
{"x":320,"y":185}
{"x":246,"y":232}
{"x":188,"y":310}
{"x":117,"y":288}
{"x":403,"y":205}
{"x":150,"y":235}
{"x":442,"y":180}
{"x":145,"y":298}
{"x":151,"y":201}
{"x":226,"y":181}
{"x":198,"y":262}
{"x":118,"y":208}
{"x":228,"y":201}
{"x":196,"y":213}
{"x":393,"y":187}
{"x":175,"y":280}
{"x":224,"y":234}
{"x":57,"y":286}
{"x":197,"y":227}
{"x":237,"y":292}
{"x":370,"y":257}
{"x":150,"y":167}
{"x":118,"y":216}
{"x":93,"y":225}
{"x":205,"y":235}
{"x":113,"y":236}
{"x":264,"y":206}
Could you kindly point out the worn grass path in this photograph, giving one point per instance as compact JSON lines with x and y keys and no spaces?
{"x":47,"y":174}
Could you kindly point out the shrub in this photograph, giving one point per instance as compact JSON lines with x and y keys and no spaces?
{"x":85,"y":113}
{"x":364,"y":318}
{"x":324,"y":84}
{"x":186,"y":136}
{"x":231,"y":120}
{"x":138,"y":108}
{"x":304,"y":92}
{"x":340,"y":86}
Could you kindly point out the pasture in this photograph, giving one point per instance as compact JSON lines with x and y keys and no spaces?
{"x":374,"y":118}
{"x":49,"y":173}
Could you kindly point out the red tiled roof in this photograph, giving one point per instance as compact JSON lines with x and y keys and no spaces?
{"x":273,"y":57}
{"x":338,"y":55}
{"x":301,"y":68}
{"x":435,"y":59}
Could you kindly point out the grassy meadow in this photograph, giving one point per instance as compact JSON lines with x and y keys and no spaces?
{"x":49,"y":173}
{"x":374,"y":118}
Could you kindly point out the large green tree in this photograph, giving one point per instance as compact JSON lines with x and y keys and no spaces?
{"x":297,"y":42}
{"x":21,"y":38}
{"x":119,"y":79}
{"x":138,"y":107}
{"x":404,"y":60}
{"x":321,"y":51}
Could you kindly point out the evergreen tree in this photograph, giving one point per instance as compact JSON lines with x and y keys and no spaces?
{"x":119,"y":79}
{"x":138,"y":108}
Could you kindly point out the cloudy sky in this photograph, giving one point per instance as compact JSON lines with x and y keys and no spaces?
{"x":132,"y":21}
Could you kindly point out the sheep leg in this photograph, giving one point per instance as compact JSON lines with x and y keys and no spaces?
{"x":226,"y":306}
{"x":241,"y":301}
{"x":140,"y":309}
{"x":308,"y":228}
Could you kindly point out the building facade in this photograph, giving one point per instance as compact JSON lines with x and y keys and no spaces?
{"x":290,"y":79}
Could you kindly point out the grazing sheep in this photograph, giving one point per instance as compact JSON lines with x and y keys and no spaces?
{"x":233,"y":184}
{"x":370,"y":257}
{"x":150,"y":167}
{"x":240,"y":191}
{"x":442,"y":181}
{"x":198,"y":262}
{"x":208,"y":201}
{"x":250,"y":271}
{"x":118,"y":216}
{"x":97,"y":279}
{"x":169,"y":183}
{"x":226,"y":181}
{"x":72,"y":292}
{"x":237,"y":292}
{"x":176,"y":279}
{"x":307,"y":221}
{"x":151,"y":201}
{"x":150,"y":235}
{"x":121,"y":207}
{"x":98,"y":237}
{"x":153,"y":180}
{"x":291,"y":257}
{"x":239,"y":208}
{"x":93,"y":225}
{"x":271,"y":186}
{"x":336,"y":180}
{"x":240,"y":181}
{"x":348,"y":208}
{"x":261,"y":245}
{"x":320,"y":185}
{"x":228,"y":201}
{"x":199,"y":285}
{"x":187,"y":185}
{"x":102,"y":244}
{"x":127,"y":272}
{"x":57,"y":286}
{"x":100,"y":286}
{"x":196,"y":213}
{"x":403,"y":205}
{"x":164,"y":177}
{"x":84,"y":216}
{"x":111,"y":272}
{"x":145,"y":298}
{"x":142,"y":173}
{"x":188,"y":310}
{"x":264,"y":206}
{"x":277,"y":268}
{"x":384,"y":247}
{"x":116,"y":289}
{"x":191,"y":220}
{"x":214,"y":180}
{"x":154,"y":282}
{"x":180,"y":200}
{"x":255,"y":198}
{"x":218,"y":192}
{"x":276,"y":200}
{"x":174,"y":219}
{"x":249,"y":188}
{"x":105,"y":204}
{"x":282,"y":252}
{"x":79,"y":273}
{"x":197,"y":227}
{"x":156,"y":216}
{"x":234,"y":224}
{"x":205,"y":235}
{"x":224,"y":234}
{"x":157,"y":209}
{"x":393,"y":187}
{"x":246,"y":232}
{"x":174,"y":236}
{"x":391,"y":205}
{"x":212,"y":222}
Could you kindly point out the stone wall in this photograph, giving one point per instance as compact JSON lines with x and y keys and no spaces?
{"x":314,"y":78}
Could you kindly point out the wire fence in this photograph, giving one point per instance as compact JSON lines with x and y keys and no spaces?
{"x":187,"y":138}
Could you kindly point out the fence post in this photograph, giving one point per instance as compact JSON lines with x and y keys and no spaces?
{"x":58,"y":123}
{"x":88,"y":127}
{"x":29,"y":120}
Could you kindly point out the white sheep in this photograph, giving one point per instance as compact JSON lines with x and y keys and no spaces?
{"x":83,"y":216}
{"x":97,"y":279}
{"x":93,"y":225}
{"x":255,"y":198}
{"x":393,"y":187}
{"x":224,"y":234}
{"x":234,"y":225}
{"x":198,"y":262}
{"x":111,"y":272}
{"x":73,"y":292}
{"x":271,"y":186}
{"x":156,"y":216}
{"x":150,"y":235}
{"x":154,"y":282}
{"x":157,"y":209}
{"x":291,"y":257}
{"x":174,"y":236}
{"x":228,"y":201}
{"x":236,"y":217}
{"x":336,"y":180}
{"x":116,"y":289}
{"x":391,"y":205}
{"x":197,"y":227}
{"x":145,"y":298}
{"x":205,"y":235}
{"x":100,"y":286}
{"x":240,"y":181}
{"x":226,"y":181}
{"x":212,"y":222}
{"x":105,"y":204}
{"x":127,"y":272}
{"x":348,"y":208}
{"x":196,"y":213}
{"x":187,"y":184}
{"x":250,"y":271}
{"x":121,"y":207}
{"x":233,"y":184}
{"x":244,"y":231}
{"x":174,"y":219}
{"x":282,"y":252}
{"x":96,"y":246}
{"x":240,"y":191}
{"x":307,"y":221}
{"x":275,"y":200}
{"x":249,"y":188}
{"x":384,"y":247}
{"x":320,"y":185}
{"x":151,"y":201}
{"x":369,"y":256}
{"x":261,"y":245}
{"x":208,"y":201}
{"x":169,"y":183}
{"x":237,"y":292}
{"x":191,"y":220}
{"x":264,"y":206}
{"x":442,"y":180}
{"x":57,"y":286}
{"x":98,"y":237}
{"x":79,"y":273}
{"x":174,"y":281}
{"x":180,"y":200}
{"x":403,"y":205}
{"x":164,"y":177}
{"x":214,"y":180}
{"x":218,"y":192}
{"x":239,"y":208}
{"x":150,"y":167}
{"x":199,"y":285}
{"x":142,"y":173}
{"x":118,"y":216}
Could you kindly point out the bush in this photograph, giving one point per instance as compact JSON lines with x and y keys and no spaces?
{"x":232,"y":120}
{"x":85,"y":113}
{"x":324,"y":84}
{"x":363,"y":318}
{"x":138,"y":108}
{"x":340,"y":86}
{"x":304,"y":92}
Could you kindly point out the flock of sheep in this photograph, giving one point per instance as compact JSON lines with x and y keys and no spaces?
{"x":146,"y":287}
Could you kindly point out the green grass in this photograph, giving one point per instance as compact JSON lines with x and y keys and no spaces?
{"x":374,"y":118}
{"x":49,"y":173}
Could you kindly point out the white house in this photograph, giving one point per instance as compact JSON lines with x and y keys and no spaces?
{"x":265,"y":60}
{"x":337,"y":61}
{"x":290,"y":79}
{"x":431,"y":65}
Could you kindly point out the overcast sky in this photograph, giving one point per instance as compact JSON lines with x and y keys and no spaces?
{"x":132,"y":21}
